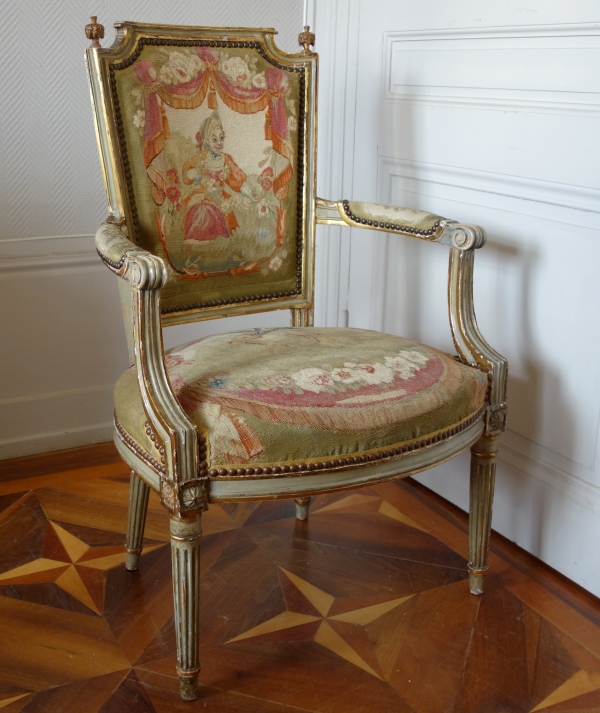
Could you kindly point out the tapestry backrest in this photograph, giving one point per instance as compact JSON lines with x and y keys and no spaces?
{"x":207,"y":138}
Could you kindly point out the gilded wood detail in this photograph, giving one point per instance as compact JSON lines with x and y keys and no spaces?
{"x":185,"y":553}
{"x":302,"y":317}
{"x":470,"y":344}
{"x":483,"y":474}
{"x":138,"y":505}
{"x":95,"y":32}
{"x":306,"y":39}
{"x":169,"y":424}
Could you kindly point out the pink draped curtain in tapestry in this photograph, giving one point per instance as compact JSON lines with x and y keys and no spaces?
{"x":191,"y":94}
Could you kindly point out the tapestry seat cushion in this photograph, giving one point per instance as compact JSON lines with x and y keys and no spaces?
{"x":272,"y":398}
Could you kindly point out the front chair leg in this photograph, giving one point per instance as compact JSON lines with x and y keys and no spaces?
{"x":138,"y":506}
{"x":483,"y":473}
{"x":185,"y":554}
{"x":302,"y":506}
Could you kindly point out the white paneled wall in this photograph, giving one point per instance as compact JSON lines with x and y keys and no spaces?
{"x":486,"y":113}
{"x":62,"y":342}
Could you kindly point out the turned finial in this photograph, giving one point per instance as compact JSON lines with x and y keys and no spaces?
{"x":94,"y":32}
{"x":306,"y":39}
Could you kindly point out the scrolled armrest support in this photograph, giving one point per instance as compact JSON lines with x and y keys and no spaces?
{"x":470,"y":344}
{"x":147,"y":274}
{"x":140,"y":268}
{"x":461,"y":237}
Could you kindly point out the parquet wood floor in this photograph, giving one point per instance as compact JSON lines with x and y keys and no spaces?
{"x":364,"y":607}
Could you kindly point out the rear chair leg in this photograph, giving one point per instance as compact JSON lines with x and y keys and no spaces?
{"x":302,"y":506}
{"x":185,"y":554}
{"x":483,"y":473}
{"x":138,"y":505}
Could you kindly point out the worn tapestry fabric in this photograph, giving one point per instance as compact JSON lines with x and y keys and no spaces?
{"x":291,"y":395}
{"x":211,"y":138}
{"x":383,"y":214}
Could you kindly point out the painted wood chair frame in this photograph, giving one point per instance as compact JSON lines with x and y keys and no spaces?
{"x":180,"y":470}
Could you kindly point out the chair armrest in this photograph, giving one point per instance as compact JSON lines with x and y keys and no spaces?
{"x":147,"y":274}
{"x":117,"y":252}
{"x":405,"y":221}
{"x":463,"y":239}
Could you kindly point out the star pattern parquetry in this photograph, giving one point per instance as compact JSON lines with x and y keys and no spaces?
{"x":72,"y":565}
{"x":338,"y":632}
{"x":377,"y":613}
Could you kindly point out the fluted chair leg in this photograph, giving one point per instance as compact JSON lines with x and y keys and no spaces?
{"x":483,"y":475}
{"x":138,"y":506}
{"x":302,"y":506}
{"x":185,"y":554}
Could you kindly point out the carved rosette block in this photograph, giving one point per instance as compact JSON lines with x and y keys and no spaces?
{"x":483,"y":475}
{"x":95,"y":32}
{"x":193,"y":497}
{"x":185,"y":498}
{"x":138,"y":506}
{"x":496,"y":419}
{"x":302,"y":506}
{"x":306,"y":39}
{"x":185,"y":554}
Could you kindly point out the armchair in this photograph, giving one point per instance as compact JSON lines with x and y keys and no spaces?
{"x":207,"y":140}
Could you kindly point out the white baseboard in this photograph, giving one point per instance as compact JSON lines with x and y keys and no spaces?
{"x":56,"y":441}
{"x":534,"y":461}
{"x":55,"y":421}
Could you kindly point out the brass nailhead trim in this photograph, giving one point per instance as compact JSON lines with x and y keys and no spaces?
{"x":138,"y":450}
{"x":258,"y":46}
{"x":390,"y":226}
{"x":112,"y":263}
{"x":326,"y":466}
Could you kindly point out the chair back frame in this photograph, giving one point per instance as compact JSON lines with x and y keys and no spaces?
{"x":103,"y":65}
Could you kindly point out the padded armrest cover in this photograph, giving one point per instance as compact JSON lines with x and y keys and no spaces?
{"x":112,"y":244}
{"x":386,"y":216}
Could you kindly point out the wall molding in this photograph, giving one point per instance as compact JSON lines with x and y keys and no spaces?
{"x":54,"y":395}
{"x":57,"y":270}
{"x":544,"y":465}
{"x":534,"y":190}
{"x":568,"y":475}
{"x":557,"y":100}
{"x":21,"y":256}
{"x":565,"y":29}
{"x":336,"y":25}
{"x":22,"y":266}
